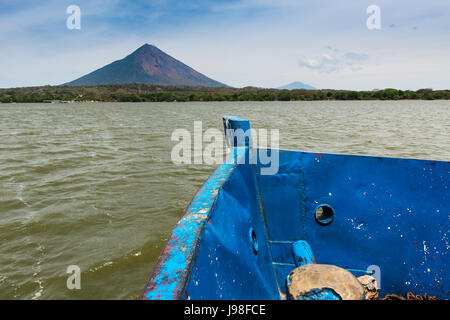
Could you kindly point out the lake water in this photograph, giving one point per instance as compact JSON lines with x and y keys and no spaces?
{"x":93,"y":184}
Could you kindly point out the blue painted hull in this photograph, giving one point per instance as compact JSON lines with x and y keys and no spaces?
{"x":390,"y":213}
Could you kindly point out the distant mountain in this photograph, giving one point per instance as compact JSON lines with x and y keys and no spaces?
{"x":147,"y":65}
{"x":297,"y":85}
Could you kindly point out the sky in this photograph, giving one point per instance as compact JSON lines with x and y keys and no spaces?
{"x":262,"y":43}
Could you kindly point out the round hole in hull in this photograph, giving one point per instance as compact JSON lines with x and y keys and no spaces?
{"x":253,"y":240}
{"x":324,"y":214}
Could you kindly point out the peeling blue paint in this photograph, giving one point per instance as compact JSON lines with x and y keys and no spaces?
{"x":172,"y":269}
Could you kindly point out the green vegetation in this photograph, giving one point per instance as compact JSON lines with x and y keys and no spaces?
{"x":155,"y":93}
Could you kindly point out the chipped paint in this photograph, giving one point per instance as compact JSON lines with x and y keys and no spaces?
{"x":172,"y":269}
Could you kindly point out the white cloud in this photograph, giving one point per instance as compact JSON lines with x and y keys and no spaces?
{"x":333,"y":61}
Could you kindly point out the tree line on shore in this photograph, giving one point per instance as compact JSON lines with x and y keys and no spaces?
{"x":156,"y":93}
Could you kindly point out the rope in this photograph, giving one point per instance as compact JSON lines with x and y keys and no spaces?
{"x":409,"y":296}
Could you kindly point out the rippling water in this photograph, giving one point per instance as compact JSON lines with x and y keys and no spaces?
{"x":93,"y":184}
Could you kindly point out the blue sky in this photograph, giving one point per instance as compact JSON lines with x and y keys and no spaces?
{"x":239,"y":42}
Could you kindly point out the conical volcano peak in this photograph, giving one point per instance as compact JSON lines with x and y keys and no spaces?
{"x":147,"y":64}
{"x":147,"y":48}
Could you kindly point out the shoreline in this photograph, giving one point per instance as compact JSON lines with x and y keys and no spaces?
{"x":216,"y":101}
{"x":155,"y":93}
{"x":220,"y":101}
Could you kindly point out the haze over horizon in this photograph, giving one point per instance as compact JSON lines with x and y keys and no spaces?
{"x":326,"y":45}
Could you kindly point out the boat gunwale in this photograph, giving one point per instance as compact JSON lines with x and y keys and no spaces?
{"x":191,"y":221}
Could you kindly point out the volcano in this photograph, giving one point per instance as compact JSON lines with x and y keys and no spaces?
{"x":148,"y":65}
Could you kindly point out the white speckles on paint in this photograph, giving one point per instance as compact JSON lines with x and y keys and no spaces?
{"x":425,"y":248}
{"x":355,"y":224}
